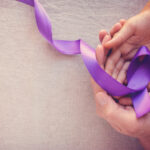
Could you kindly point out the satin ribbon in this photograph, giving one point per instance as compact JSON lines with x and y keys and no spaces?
{"x":138,"y":74}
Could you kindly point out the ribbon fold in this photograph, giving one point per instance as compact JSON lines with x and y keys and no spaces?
{"x":138,"y":74}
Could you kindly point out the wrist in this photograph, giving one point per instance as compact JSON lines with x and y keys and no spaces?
{"x":145,"y":141}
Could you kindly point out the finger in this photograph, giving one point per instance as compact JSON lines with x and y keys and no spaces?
{"x":113,"y":112}
{"x":127,"y":47}
{"x":105,"y":104}
{"x":113,"y":124}
{"x":102,"y":34}
{"x":100,"y":54}
{"x":125,"y":101}
{"x":122,"y":21}
{"x":126,"y":31}
{"x":116,"y":97}
{"x":106,"y":39}
{"x":130,"y":55}
{"x":117,"y":68}
{"x":112,"y":61}
{"x":122,"y":74}
{"x":115,"y":29}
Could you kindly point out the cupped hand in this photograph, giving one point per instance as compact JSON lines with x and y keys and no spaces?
{"x":122,"y":117}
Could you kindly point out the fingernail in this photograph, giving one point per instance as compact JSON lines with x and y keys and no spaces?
{"x":101,"y":99}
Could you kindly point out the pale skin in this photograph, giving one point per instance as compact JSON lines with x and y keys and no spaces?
{"x":124,"y":39}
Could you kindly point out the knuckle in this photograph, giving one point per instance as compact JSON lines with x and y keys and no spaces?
{"x":108,"y":113}
{"x":130,"y":24}
{"x":133,"y":130}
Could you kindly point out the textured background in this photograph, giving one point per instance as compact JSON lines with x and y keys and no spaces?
{"x":46,"y":99}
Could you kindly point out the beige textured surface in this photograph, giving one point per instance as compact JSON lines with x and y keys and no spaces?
{"x":46,"y":99}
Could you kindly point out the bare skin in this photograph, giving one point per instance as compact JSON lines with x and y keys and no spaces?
{"x":124,"y":39}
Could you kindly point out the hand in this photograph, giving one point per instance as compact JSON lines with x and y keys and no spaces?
{"x":134,"y":33}
{"x":128,"y":36}
{"x":119,"y":72}
{"x":139,"y":128}
{"x":122,"y":118}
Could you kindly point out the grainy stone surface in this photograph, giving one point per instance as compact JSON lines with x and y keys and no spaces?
{"x":46,"y":99}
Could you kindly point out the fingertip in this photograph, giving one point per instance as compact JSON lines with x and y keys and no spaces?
{"x":108,"y":45}
{"x":124,"y":34}
{"x":115,"y":28}
{"x":114,"y":42}
{"x":122,"y":21}
{"x":125,"y":101}
{"x":106,"y":39}
{"x":98,"y":50}
{"x":102,"y":34}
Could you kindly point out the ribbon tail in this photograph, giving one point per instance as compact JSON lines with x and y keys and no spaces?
{"x":78,"y":47}
{"x":42,"y":19}
{"x":141,"y":98}
{"x":141,"y":103}
{"x":43,"y":22}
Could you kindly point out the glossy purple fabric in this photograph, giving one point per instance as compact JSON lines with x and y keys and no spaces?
{"x":138,"y":74}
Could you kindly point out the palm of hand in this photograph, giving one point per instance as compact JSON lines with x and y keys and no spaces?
{"x":127,"y":38}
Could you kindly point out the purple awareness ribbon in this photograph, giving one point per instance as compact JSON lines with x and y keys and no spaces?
{"x":138,"y":74}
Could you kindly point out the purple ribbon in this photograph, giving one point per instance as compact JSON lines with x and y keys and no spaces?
{"x":138,"y":74}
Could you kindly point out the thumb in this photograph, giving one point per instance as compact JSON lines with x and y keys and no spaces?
{"x":125,"y":33}
{"x":112,"y":111}
{"x":105,"y":105}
